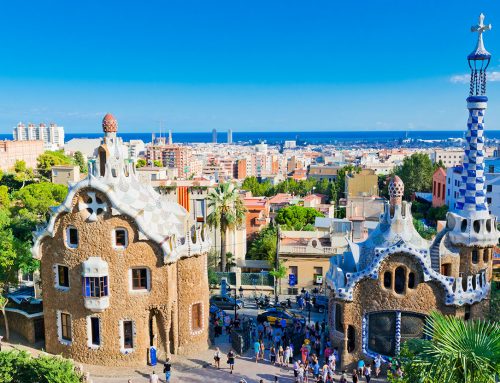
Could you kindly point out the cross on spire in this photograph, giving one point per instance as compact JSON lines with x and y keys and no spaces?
{"x":480,"y":28}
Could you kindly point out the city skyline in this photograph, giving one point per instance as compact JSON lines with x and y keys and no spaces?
{"x":259,"y":67}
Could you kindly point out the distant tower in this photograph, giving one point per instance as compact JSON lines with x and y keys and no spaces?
{"x":214,"y":136}
{"x":471,"y":227}
{"x":229,"y":136}
{"x":170,"y":141}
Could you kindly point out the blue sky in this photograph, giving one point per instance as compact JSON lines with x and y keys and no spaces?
{"x":246,"y":65}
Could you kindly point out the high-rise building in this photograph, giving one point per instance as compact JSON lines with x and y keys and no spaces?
{"x":171,"y":156}
{"x":214,"y":136}
{"x":52,"y":135}
{"x":229,"y":136}
{"x":170,"y":141}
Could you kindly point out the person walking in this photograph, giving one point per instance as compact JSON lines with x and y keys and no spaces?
{"x":153,"y":378}
{"x":286,"y":356}
{"x":167,"y":367}
{"x":217,"y":356}
{"x":367,"y":372}
{"x":262,"y":350}
{"x":355,"y":377}
{"x":272,"y":354}
{"x":281,"y":354}
{"x":377,"y":363}
{"x":256,"y":349}
{"x":230,"y":360}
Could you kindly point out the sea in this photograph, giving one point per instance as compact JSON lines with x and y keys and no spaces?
{"x":324,"y":137}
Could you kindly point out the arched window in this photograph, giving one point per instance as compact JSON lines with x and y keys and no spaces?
{"x":400,"y":280}
{"x":475,"y":256}
{"x":476,"y":225}
{"x":463,"y":225}
{"x":387,"y":280}
{"x":411,"y":280}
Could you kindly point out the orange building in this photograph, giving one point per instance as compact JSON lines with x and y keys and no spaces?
{"x":257,"y":215}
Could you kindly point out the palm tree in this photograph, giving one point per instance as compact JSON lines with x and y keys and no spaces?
{"x":459,"y":351}
{"x":226,"y":213}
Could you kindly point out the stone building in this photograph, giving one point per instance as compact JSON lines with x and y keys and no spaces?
{"x":121,"y":268}
{"x":382,"y":289}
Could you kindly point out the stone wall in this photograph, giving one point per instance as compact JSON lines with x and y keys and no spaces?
{"x":193,"y":289}
{"x":20,"y":324}
{"x":157,"y":306}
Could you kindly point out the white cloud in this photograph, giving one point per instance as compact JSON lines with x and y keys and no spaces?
{"x":465,"y":78}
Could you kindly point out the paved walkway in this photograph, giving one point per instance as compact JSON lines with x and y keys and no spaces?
{"x":185,"y":369}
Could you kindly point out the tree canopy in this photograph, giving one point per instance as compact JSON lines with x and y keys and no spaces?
{"x":297,"y":217}
{"x":263,"y":247}
{"x":79,"y":160}
{"x":46,"y":160}
{"x":141,"y":162}
{"x":416,"y":173}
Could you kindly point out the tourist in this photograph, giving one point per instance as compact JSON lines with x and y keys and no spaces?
{"x":355,"y":377}
{"x":300,"y":373}
{"x":367,"y":372}
{"x":343,"y":377}
{"x":315,"y":368}
{"x":283,"y":323}
{"x":217,"y":357}
{"x":153,"y":378}
{"x":281,"y":354}
{"x":272,"y":354}
{"x":329,"y":378}
{"x":167,"y":366}
{"x":296,"y":367}
{"x":361,"y":366}
{"x":230,"y":360}
{"x":262,"y":350}
{"x":377,"y":363}
{"x":256,"y":349}
{"x":287,"y":355}
{"x":304,"y":352}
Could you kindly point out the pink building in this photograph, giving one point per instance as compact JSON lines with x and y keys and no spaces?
{"x":27,"y":151}
{"x":438,"y":187}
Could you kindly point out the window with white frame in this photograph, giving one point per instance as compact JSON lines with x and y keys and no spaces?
{"x":120,"y":238}
{"x":72,"y":237}
{"x":127,"y":336}
{"x":62,"y":277}
{"x":93,"y":332}
{"x":139,"y":279}
{"x":64,"y":327}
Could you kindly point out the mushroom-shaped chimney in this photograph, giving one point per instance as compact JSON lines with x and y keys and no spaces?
{"x":396,"y":191}
{"x":109,"y":124}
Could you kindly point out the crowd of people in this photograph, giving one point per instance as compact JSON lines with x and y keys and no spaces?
{"x":304,"y":348}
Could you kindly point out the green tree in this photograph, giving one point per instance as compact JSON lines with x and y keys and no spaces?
{"x":19,"y":366}
{"x":425,"y":232}
{"x":4,"y":197}
{"x":416,"y":173}
{"x":158,"y":163}
{"x":227,"y":212}
{"x":263,"y":247}
{"x":297,"y":217}
{"x":257,"y":188}
{"x":459,"y":351}
{"x":141,"y":162}
{"x":79,"y":160}
{"x":46,"y":160}
{"x":278,"y":273}
{"x":22,"y":173}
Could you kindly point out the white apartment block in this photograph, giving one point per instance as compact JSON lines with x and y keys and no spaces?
{"x":449,"y":158}
{"x":453,"y":181}
{"x":51,"y":135}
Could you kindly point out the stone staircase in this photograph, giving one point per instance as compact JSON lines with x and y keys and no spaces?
{"x":434,"y":250}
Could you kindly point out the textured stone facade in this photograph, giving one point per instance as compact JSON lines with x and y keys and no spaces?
{"x":165,"y":307}
{"x":20,"y":324}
